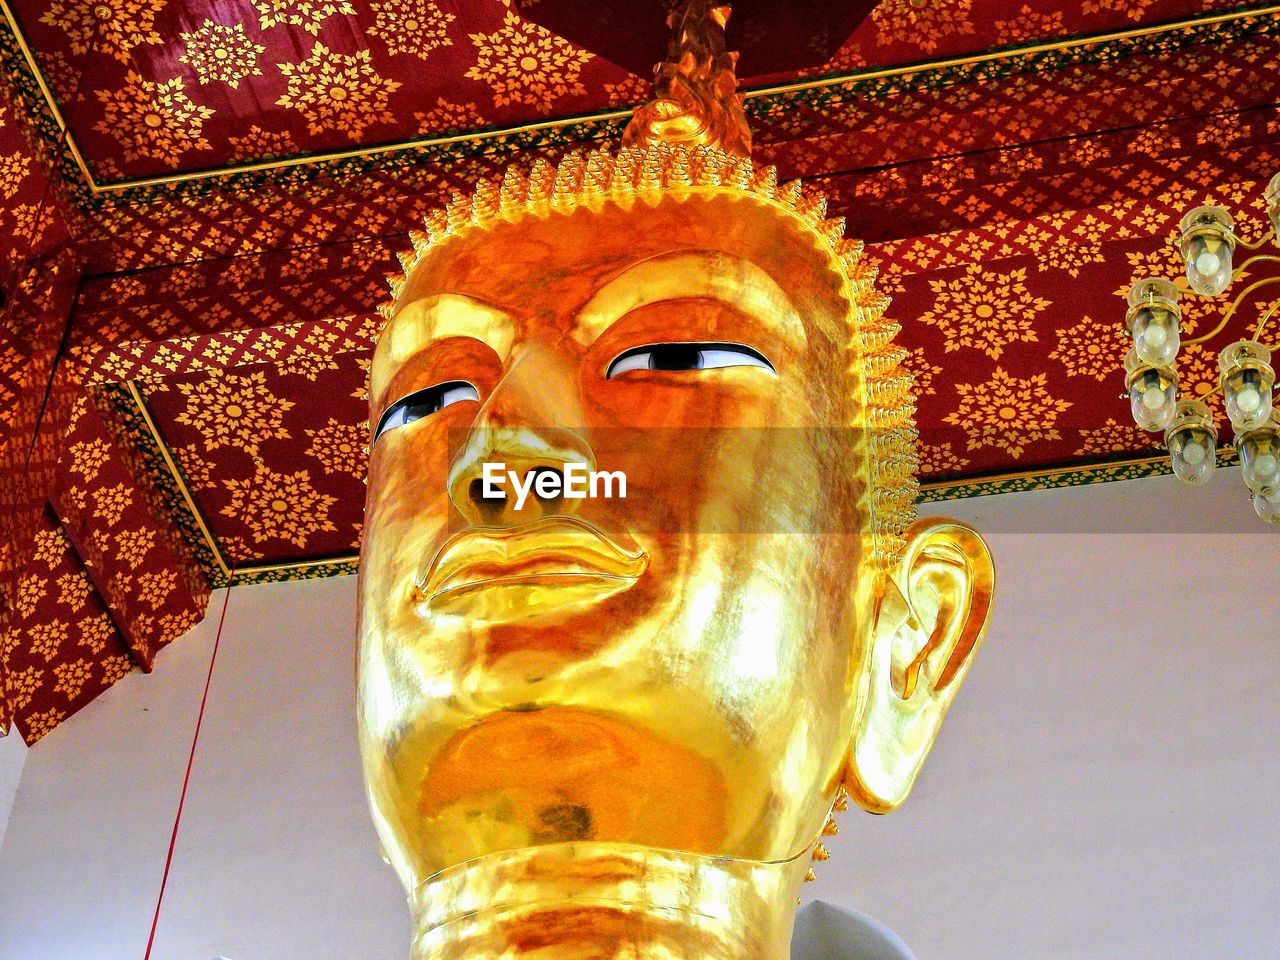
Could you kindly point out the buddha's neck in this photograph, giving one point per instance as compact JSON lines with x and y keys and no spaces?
{"x":605,"y":901}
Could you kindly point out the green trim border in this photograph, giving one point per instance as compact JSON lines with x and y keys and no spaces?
{"x":1055,"y":478}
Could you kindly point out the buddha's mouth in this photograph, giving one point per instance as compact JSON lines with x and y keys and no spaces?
{"x":507,"y":573}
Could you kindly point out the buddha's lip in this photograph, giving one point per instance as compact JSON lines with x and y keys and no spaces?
{"x":550,"y":550}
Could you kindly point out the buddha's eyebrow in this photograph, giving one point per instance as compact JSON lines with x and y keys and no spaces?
{"x":683,"y":275}
{"x":422,"y":322}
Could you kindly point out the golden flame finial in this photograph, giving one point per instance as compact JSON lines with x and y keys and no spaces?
{"x":695,"y":101}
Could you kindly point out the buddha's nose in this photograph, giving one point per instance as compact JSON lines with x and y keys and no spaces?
{"x":530,"y":426}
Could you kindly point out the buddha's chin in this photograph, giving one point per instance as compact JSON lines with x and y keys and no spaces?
{"x":600,"y":901}
{"x":531,"y":777}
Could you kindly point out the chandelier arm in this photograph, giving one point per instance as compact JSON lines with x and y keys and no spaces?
{"x":1231,"y":310}
{"x":1256,"y":259}
{"x":1266,"y":238}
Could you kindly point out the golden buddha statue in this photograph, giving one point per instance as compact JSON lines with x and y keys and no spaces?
{"x":616,"y":726}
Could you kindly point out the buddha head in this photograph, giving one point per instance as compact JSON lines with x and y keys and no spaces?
{"x":561,"y":695}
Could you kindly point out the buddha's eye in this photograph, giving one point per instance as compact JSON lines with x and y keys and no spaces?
{"x":423,"y":403}
{"x":687,"y":356}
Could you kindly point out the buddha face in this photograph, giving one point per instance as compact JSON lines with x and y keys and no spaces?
{"x":686,"y":667}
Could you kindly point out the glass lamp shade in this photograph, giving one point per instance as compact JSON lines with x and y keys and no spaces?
{"x":1268,"y":508}
{"x":1247,"y":380}
{"x":1207,"y":246}
{"x":1153,"y":393}
{"x":1192,"y":442}
{"x":1154,"y":321}
{"x":1260,"y":458}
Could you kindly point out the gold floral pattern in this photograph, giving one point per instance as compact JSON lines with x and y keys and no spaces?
{"x":526,"y":64}
{"x":339,"y":447}
{"x":95,"y":632}
{"x":1113,"y":438}
{"x":309,"y":365}
{"x":338,"y":91}
{"x":234,"y":411}
{"x":939,"y":458}
{"x":30,"y":590}
{"x":176,"y":624}
{"x":27,"y":220}
{"x":14,"y":168}
{"x":132,"y":546}
{"x":1007,"y":412}
{"x":22,"y":686}
{"x":922,"y":23}
{"x":46,"y":638}
{"x":635,"y":90}
{"x":1092,"y":349}
{"x":220,"y":52}
{"x":307,"y":14}
{"x":115,"y":669}
{"x":362,"y":392}
{"x":89,"y":457}
{"x":50,"y":546}
{"x":986,"y":311}
{"x":447,"y":117}
{"x":259,"y":144}
{"x":922,"y":370}
{"x":1198,"y":374}
{"x":110,"y":503}
{"x":280,"y":506}
{"x":1069,"y":257}
{"x":74,"y":589}
{"x":238,"y":549}
{"x":410,"y":26}
{"x":196,"y":470}
{"x":122,"y":583}
{"x":72,"y":676}
{"x":155,"y":121}
{"x":1030,"y":24}
{"x":1133,"y":9}
{"x":40,"y":723}
{"x":9,"y":640}
{"x":154,"y":587}
{"x":113,"y":26}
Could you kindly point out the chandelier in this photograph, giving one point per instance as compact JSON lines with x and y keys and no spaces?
{"x":1208,"y":244}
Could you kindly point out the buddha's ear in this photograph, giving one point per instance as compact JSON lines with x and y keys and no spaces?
{"x":926,"y":628}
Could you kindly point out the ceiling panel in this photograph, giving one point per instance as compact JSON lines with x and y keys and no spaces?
{"x":156,"y":87}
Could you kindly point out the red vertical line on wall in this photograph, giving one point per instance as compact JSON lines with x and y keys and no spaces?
{"x":195,"y":739}
{"x":186,"y":779}
{"x":26,"y":272}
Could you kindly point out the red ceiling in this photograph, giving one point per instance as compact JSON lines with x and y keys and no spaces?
{"x":154,"y":87}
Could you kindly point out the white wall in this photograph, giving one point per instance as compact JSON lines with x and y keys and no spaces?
{"x":276,"y":858}
{"x":1108,"y":782}
{"x":12,"y":754}
{"x":1106,"y":786}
